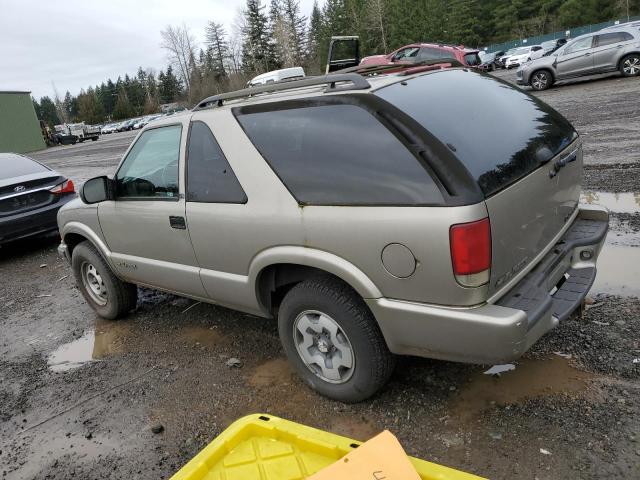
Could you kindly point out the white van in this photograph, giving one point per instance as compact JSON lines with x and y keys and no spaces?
{"x":277,"y":76}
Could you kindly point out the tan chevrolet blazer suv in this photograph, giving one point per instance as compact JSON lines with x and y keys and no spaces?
{"x":433,"y":214}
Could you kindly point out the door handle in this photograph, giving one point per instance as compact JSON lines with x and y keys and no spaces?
{"x":587,"y":54}
{"x":178,"y":223}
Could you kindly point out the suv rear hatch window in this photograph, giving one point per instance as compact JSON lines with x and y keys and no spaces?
{"x":472,"y":59}
{"x":503,"y":136}
{"x":499,"y":132}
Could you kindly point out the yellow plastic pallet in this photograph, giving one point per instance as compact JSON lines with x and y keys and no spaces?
{"x":264,"y":447}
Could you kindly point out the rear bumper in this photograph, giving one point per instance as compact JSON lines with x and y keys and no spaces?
{"x":31,"y":223}
{"x":504,"y":330}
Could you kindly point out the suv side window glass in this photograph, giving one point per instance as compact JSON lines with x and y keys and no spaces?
{"x":406,"y":53}
{"x":339,"y":155}
{"x":209,"y":175}
{"x":611,"y":38}
{"x":581,"y":44}
{"x":429,"y":53}
{"x":150,"y":170}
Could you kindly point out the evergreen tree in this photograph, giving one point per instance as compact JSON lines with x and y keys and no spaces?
{"x":296,"y":29}
{"x":314,"y":39}
{"x":169,"y":87}
{"x":70,"y":105}
{"x":123,"y":108}
{"x":463,"y":20}
{"x":48,"y":112}
{"x":89,"y":107}
{"x":218,"y":51}
{"x":257,"y":51}
{"x":278,"y":35}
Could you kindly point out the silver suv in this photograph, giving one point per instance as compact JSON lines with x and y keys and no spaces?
{"x":593,"y":53}
{"x":433,"y":214}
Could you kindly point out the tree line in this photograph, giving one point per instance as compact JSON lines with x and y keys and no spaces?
{"x":276,"y":35}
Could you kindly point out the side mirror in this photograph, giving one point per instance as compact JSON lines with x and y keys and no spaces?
{"x":97,"y":190}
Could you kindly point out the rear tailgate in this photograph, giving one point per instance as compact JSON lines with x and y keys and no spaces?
{"x":524,"y":156}
{"x":527,"y":217}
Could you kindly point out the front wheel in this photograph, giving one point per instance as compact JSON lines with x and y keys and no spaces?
{"x":109,"y":296}
{"x":541,"y":80}
{"x":630,"y":65}
{"x":333,"y":340}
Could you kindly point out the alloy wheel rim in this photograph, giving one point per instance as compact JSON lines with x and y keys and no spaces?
{"x":539,"y":80}
{"x":632,"y":66}
{"x":93,"y":283}
{"x":323,"y":346}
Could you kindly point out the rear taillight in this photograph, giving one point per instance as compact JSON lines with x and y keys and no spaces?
{"x":64,"y":187}
{"x":471,"y":252}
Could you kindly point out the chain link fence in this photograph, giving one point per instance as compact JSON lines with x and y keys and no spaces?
{"x":569,"y":33}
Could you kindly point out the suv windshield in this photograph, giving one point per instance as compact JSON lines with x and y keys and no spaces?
{"x":499,"y":132}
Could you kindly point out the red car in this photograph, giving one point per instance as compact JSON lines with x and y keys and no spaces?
{"x":421,"y":52}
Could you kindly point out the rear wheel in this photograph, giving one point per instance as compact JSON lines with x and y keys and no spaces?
{"x":333,"y":341}
{"x":630,"y":65}
{"x":541,"y":80}
{"x":109,"y":296}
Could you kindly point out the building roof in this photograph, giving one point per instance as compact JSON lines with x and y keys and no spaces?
{"x":14,"y":91}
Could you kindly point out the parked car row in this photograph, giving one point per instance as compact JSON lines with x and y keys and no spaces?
{"x":130,"y":124}
{"x":517,"y":56}
{"x":609,"y":50}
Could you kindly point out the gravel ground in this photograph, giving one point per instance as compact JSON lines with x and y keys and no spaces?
{"x":576,"y":394}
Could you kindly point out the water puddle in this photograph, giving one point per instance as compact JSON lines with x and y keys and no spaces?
{"x":103,"y":341}
{"x":199,"y":336}
{"x":618,"y":271}
{"x":628,"y":202}
{"x":270,"y":373}
{"x":73,"y":354}
{"x":530,"y":379}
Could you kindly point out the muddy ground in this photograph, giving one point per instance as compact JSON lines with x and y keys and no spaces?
{"x":79,"y":395}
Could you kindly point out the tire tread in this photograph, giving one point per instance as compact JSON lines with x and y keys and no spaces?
{"x":123,"y":299}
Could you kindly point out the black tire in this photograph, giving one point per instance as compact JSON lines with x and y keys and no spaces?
{"x":630,"y":65}
{"x":94,"y":139}
{"x":373,"y":363}
{"x":121,"y":297}
{"x":541,"y":80}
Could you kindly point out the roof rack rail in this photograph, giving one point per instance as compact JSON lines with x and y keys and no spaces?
{"x":358,"y":82}
{"x":400,"y":67}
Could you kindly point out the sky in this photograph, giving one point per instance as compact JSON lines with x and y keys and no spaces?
{"x":76,"y":44}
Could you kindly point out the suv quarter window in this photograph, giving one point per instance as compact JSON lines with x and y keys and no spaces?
{"x":338,"y":154}
{"x":611,"y":38}
{"x":210,"y":178}
{"x":150,"y":169}
{"x":578,"y":45}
